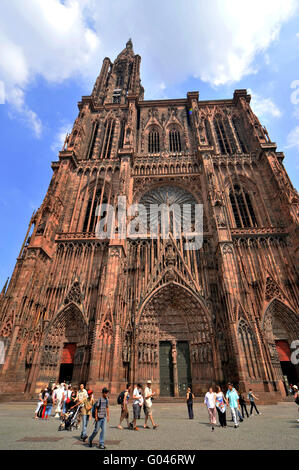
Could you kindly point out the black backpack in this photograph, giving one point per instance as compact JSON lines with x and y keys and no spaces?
{"x":120,"y":398}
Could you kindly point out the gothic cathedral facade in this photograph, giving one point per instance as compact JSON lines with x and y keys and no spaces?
{"x":108,"y":311}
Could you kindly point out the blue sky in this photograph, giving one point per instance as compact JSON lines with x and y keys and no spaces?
{"x":51,"y":53}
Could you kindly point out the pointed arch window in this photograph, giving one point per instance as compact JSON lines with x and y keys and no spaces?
{"x":175,"y":141}
{"x":242,"y":207}
{"x":119,"y":80}
{"x":154,"y":142}
{"x":208,"y":132}
{"x":122,"y":134}
{"x":224,"y":135}
{"x":249,"y":349}
{"x":108,"y":139}
{"x":237,"y":127}
{"x":90,"y":220}
{"x":94,"y":134}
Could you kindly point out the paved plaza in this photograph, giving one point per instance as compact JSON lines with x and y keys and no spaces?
{"x":276,"y":428}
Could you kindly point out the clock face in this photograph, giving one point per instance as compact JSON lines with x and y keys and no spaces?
{"x":181,"y":203}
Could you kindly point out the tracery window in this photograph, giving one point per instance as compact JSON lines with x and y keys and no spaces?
{"x":169,"y":196}
{"x":224,"y":135}
{"x":119,"y":80}
{"x":242,"y":207}
{"x":238,"y":132}
{"x":153,"y":142}
{"x":94,"y":201}
{"x":94,"y":134}
{"x":249,"y":349}
{"x":175,"y":141}
{"x":108,"y":139}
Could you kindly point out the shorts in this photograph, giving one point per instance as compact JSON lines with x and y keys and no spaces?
{"x":148,"y":410}
{"x":136,"y":411}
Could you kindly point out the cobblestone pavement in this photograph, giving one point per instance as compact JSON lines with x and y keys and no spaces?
{"x":276,"y":428}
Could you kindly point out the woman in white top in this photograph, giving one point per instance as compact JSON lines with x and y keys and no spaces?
{"x":210,"y":402}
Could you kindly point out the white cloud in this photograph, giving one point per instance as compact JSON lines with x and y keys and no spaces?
{"x":215,"y":41}
{"x":60,"y":137}
{"x":264,"y":108}
{"x":49,"y":39}
{"x":2,"y":92}
{"x":57,"y":40}
{"x":293,"y":139}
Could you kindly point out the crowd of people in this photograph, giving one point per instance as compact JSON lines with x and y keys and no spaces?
{"x":218,"y":402}
{"x":64,"y":398}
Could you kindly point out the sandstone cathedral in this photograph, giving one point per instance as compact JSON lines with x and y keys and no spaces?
{"x":107,"y":311}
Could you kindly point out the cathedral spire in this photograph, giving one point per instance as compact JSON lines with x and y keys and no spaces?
{"x":4,"y":287}
{"x":129,"y":44}
{"x":119,"y":79}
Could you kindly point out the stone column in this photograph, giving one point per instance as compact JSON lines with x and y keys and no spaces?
{"x":175,"y":369}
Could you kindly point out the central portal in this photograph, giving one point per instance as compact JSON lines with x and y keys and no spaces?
{"x":175,"y":368}
{"x":166,"y":369}
{"x":173,"y":346}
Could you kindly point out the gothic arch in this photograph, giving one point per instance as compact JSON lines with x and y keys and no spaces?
{"x":248,"y":348}
{"x":173,"y":314}
{"x":151,"y":187}
{"x":67,"y":327}
{"x":67,"y":314}
{"x":276,"y":308}
{"x":280,"y":323}
{"x":189,"y":292}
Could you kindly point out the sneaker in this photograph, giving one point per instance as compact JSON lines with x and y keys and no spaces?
{"x":102,"y":446}
{"x":90,"y":443}
{"x":84,"y":438}
{"x":236,"y":426}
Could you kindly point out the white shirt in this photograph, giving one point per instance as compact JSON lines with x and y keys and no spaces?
{"x":210,"y":400}
{"x":147,"y":393}
{"x":137,"y":396}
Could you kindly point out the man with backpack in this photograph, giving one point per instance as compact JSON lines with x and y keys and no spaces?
{"x":100,"y":413}
{"x":123,"y":400}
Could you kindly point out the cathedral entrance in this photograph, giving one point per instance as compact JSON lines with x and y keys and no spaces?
{"x":64,"y":355}
{"x":281,"y":328}
{"x":166,"y":369}
{"x":173,"y":342}
{"x":67,"y":363}
{"x":287,"y":367}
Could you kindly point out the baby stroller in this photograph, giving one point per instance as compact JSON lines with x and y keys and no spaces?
{"x":71,"y":419}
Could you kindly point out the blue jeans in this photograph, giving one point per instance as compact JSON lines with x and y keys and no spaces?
{"x":48,"y":410}
{"x":100,"y":424}
{"x":85,"y":419}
